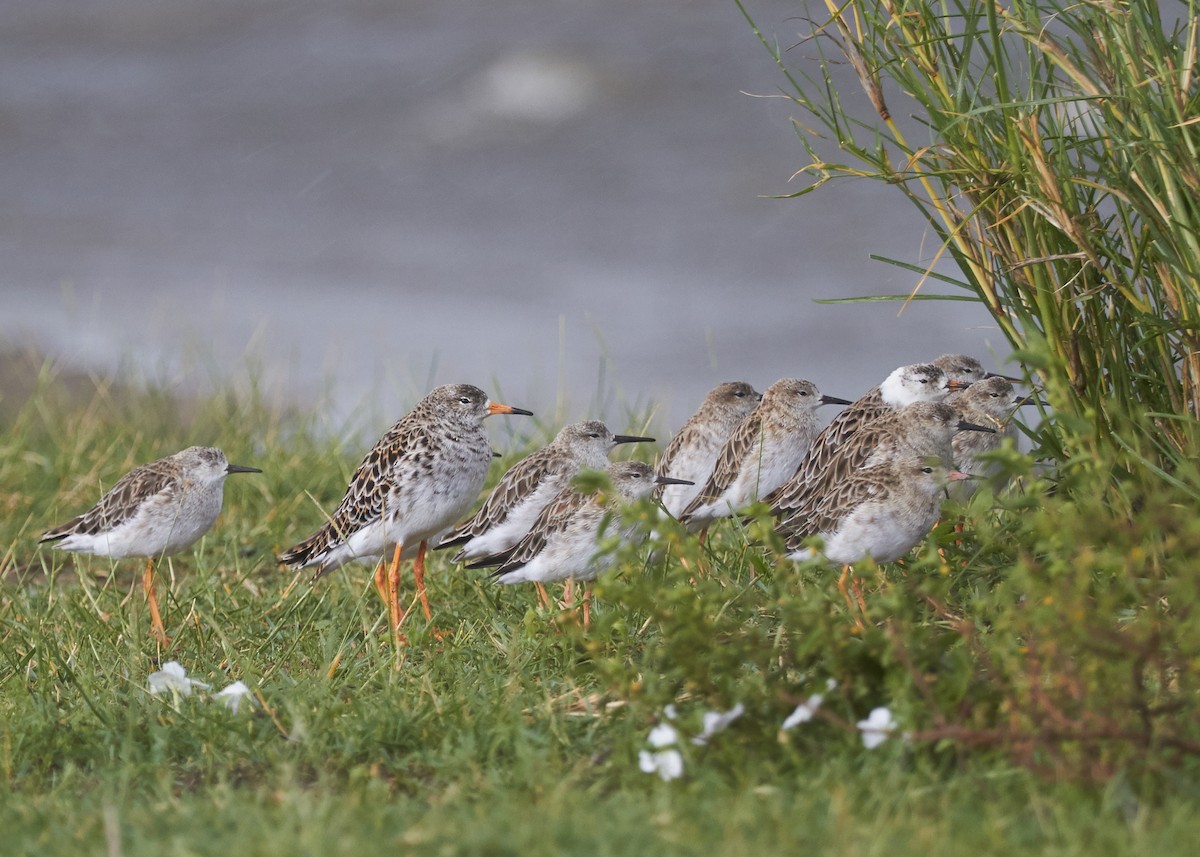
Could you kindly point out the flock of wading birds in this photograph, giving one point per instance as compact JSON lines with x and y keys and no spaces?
{"x":869,"y":484}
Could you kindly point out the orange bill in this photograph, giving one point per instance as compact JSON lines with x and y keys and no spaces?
{"x":498,"y":408}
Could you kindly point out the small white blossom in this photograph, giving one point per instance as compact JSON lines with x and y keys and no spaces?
{"x":669,"y":711}
{"x":807,"y":710}
{"x":877,"y":727}
{"x":664,"y":759}
{"x":173,"y":677}
{"x":663,"y":735}
{"x":804,"y":712}
{"x":715,"y":721}
{"x":233,"y":695}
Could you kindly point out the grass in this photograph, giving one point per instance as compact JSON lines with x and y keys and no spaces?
{"x":519,"y":732}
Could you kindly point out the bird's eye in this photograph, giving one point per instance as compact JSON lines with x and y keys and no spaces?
{"x":740,"y":394}
{"x":923,"y":380}
{"x":994,"y":395}
{"x":594,"y":434}
{"x":466,"y":400}
{"x":804,"y":392}
{"x":926,"y":469}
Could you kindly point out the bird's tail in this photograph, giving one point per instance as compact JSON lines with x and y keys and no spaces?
{"x":308,"y":552}
{"x":491,"y":561}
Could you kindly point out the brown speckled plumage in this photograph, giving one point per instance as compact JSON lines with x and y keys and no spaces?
{"x":692,"y":452}
{"x":881,"y":512}
{"x":762,"y":452}
{"x":513,"y":505}
{"x":905,"y":385}
{"x":418,"y":479}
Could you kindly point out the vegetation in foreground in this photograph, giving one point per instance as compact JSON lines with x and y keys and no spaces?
{"x":1031,"y":721}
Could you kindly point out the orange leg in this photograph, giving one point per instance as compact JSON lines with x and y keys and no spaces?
{"x":156,"y":621}
{"x":584,"y":602}
{"x":419,"y":576}
{"x":841,"y":585}
{"x":543,"y":595}
{"x":381,"y":582}
{"x":395,"y":616}
{"x":856,"y":585}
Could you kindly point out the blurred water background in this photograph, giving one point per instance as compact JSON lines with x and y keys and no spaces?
{"x":563,"y":202}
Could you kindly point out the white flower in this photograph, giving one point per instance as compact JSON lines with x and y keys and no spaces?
{"x":233,"y":695}
{"x":715,"y":721}
{"x":663,"y":735}
{"x":877,"y":727}
{"x":172,"y":677}
{"x":806,"y":710}
{"x":664,"y":759}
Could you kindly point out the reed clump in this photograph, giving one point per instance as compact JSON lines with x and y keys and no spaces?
{"x":1052,"y":148}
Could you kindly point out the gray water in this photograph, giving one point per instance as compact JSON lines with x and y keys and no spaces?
{"x":360,"y":199}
